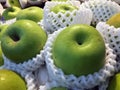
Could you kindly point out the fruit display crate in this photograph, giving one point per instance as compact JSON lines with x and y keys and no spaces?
{"x":59,"y":44}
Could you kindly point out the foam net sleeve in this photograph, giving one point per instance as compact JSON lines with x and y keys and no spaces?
{"x":30,"y":65}
{"x":111,"y":35}
{"x":102,"y":9}
{"x":53,"y":21}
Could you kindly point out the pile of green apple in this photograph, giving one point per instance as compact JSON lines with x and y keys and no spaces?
{"x":33,"y":13}
{"x":78,"y":49}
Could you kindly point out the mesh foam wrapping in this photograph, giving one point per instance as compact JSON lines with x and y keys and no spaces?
{"x":41,"y":75}
{"x":111,"y":35}
{"x":33,"y":2}
{"x":102,"y":9}
{"x":103,"y":85}
{"x":82,"y":82}
{"x":117,"y":1}
{"x":29,"y":65}
{"x":53,"y":21}
{"x":28,"y":77}
{"x":7,"y":22}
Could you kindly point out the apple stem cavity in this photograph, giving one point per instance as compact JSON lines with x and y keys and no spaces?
{"x":15,"y":37}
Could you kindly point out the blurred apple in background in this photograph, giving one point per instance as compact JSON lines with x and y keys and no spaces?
{"x":14,"y":3}
{"x":63,"y":8}
{"x":114,"y":83}
{"x":10,"y":12}
{"x":33,"y":13}
{"x":114,"y":20}
{"x":1,"y":57}
{"x":2,"y":29}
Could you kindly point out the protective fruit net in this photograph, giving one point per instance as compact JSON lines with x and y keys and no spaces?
{"x":111,"y":35}
{"x":82,"y":82}
{"x":103,"y":85}
{"x":29,"y":65}
{"x":53,"y":21}
{"x":27,"y":76}
{"x":102,"y":9}
{"x":7,"y":22}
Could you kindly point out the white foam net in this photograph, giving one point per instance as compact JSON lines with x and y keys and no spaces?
{"x":111,"y":35}
{"x":82,"y":82}
{"x":29,"y":65}
{"x":102,"y":9}
{"x":53,"y":21}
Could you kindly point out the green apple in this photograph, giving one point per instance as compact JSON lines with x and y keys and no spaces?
{"x":1,"y":57}
{"x":10,"y":80}
{"x":79,"y":49}
{"x":2,"y":29}
{"x":114,"y":20}
{"x":63,"y":8}
{"x":33,"y":13}
{"x":59,"y":88}
{"x":22,"y":40}
{"x":114,"y":83}
{"x":14,"y":3}
{"x":10,"y":12}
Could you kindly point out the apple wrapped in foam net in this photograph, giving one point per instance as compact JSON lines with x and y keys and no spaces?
{"x":27,"y":76}
{"x":102,"y":9}
{"x":53,"y":21}
{"x":82,"y":82}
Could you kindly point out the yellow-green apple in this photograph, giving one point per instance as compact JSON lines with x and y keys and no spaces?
{"x":14,"y":3}
{"x":114,"y":20}
{"x":59,"y":88}
{"x":2,"y":29}
{"x":10,"y":12}
{"x":10,"y":80}
{"x":33,"y":13}
{"x":79,"y":49}
{"x":23,"y":40}
{"x":63,"y":8}
{"x":114,"y":83}
{"x":1,"y":57}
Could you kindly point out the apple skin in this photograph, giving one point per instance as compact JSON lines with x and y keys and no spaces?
{"x":114,"y":83}
{"x":63,"y":8}
{"x":22,"y":40}
{"x":9,"y":80}
{"x":14,"y":3}
{"x":10,"y":12}
{"x":2,"y":29}
{"x":114,"y":20}
{"x":33,"y":13}
{"x":59,"y":88}
{"x":1,"y":58}
{"x":79,"y":49}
